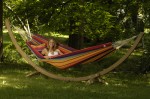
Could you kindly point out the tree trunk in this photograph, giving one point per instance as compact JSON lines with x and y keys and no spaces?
{"x":139,"y":26}
{"x":1,"y":32}
{"x":76,"y":40}
{"x":81,"y":28}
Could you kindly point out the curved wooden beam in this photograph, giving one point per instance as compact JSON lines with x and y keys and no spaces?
{"x":54,"y":76}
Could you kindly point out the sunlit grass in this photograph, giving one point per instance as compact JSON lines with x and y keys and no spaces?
{"x":57,"y":35}
{"x":14,"y":85}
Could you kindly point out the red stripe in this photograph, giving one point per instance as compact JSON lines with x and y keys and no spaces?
{"x":84,"y":50}
{"x":35,"y":51}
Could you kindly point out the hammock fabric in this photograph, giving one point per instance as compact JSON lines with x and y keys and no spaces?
{"x":70,"y":56}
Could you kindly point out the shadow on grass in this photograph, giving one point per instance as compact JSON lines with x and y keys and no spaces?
{"x":39,"y":88}
{"x":121,"y":85}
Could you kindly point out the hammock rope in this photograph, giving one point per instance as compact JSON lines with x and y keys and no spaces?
{"x":84,"y":78}
{"x":121,"y":43}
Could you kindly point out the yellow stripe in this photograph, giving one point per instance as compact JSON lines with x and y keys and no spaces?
{"x":97,"y":57}
{"x":73,"y":60}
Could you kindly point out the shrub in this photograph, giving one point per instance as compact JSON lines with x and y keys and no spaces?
{"x":145,"y":59}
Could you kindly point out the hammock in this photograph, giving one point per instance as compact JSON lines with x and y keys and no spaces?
{"x":70,"y":57}
{"x":82,"y":78}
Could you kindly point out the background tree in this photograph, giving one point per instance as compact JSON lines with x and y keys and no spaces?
{"x":145,"y":63}
{"x":89,"y":18}
{"x":101,"y":21}
{"x":1,"y":32}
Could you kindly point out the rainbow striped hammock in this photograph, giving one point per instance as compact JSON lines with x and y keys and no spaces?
{"x":70,"y":57}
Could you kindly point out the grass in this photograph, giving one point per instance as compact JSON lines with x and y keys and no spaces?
{"x":14,"y":85}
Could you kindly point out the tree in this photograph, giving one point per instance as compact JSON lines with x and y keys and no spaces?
{"x":101,"y":20}
{"x":1,"y":26}
{"x":82,"y":17}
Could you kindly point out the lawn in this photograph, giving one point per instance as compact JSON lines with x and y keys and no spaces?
{"x":120,"y":85}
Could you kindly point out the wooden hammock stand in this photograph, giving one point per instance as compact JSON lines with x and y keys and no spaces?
{"x":84,"y":78}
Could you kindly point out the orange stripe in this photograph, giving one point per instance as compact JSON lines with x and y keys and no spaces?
{"x":80,"y":60}
{"x":64,"y":50}
{"x":98,"y":57}
{"x":69,"y":62}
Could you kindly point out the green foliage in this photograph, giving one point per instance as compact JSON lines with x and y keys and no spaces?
{"x":10,"y":53}
{"x":98,"y":20}
{"x":11,"y":56}
{"x":145,"y":60}
{"x":146,"y":12}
